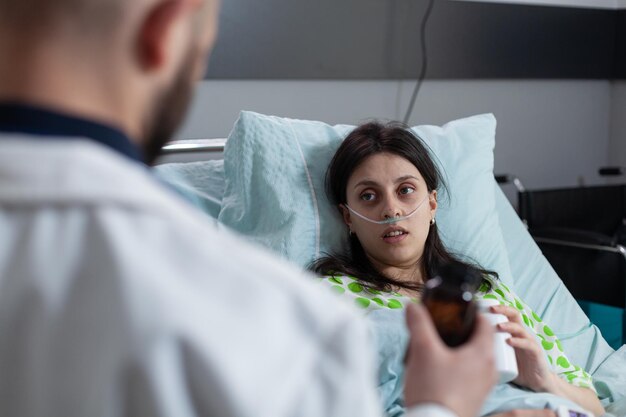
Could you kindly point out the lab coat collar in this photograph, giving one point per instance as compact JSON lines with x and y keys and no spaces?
{"x":47,"y":124}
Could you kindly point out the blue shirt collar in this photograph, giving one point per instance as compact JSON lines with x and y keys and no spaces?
{"x":48,"y":124}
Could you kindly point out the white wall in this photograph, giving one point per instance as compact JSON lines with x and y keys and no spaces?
{"x":550,"y":133}
{"x":617,"y":142}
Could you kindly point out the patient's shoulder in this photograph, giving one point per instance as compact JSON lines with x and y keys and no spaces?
{"x":361,"y":295}
{"x":500,"y":292}
{"x":497,"y":290}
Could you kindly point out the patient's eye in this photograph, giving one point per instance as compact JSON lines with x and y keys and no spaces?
{"x":367,"y":196}
{"x":407,"y":190}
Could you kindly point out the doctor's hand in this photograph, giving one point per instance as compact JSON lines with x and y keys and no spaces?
{"x":534,"y":371}
{"x":458,"y":378}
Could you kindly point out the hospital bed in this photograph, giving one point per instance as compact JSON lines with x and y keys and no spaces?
{"x":581,"y":231}
{"x":196,"y":170}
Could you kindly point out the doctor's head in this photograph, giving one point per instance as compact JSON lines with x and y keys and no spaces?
{"x":129,"y":63}
{"x":385,"y":183}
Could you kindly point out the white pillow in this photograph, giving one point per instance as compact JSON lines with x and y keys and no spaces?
{"x":275,"y":167}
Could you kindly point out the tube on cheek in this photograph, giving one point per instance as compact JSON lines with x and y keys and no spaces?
{"x":391,"y":220}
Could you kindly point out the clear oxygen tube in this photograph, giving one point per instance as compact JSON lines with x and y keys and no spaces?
{"x":390,"y":220}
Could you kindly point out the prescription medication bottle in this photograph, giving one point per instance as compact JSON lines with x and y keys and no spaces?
{"x":449,"y":298}
{"x":506,"y":362}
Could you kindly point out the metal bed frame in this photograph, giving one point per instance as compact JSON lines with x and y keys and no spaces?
{"x":194,"y":145}
{"x":546,"y":242}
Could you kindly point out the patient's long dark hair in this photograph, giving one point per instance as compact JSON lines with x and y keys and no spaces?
{"x":364,"y":141}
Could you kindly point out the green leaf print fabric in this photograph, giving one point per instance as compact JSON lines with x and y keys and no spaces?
{"x":384,"y":312}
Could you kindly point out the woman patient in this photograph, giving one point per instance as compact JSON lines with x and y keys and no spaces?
{"x":382,"y":172}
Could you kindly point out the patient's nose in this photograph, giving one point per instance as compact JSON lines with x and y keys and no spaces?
{"x":391,"y":208}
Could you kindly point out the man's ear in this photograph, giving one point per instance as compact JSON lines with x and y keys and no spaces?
{"x":155,"y":34}
{"x":346,"y":215}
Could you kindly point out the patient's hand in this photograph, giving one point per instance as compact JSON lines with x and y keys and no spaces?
{"x":459,"y":378}
{"x":534,"y":371}
{"x":526,"y":413}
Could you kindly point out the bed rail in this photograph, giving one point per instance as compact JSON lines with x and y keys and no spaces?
{"x":194,"y":145}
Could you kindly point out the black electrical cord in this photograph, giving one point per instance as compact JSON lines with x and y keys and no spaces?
{"x":422,"y":75}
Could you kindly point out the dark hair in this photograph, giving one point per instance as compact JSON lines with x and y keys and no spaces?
{"x":370,"y":139}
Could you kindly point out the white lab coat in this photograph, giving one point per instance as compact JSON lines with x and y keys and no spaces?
{"x":117,"y":299}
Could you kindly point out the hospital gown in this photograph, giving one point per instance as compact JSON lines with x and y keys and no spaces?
{"x":390,"y":326}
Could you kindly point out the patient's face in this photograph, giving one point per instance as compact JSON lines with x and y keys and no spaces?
{"x":382,"y":186}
